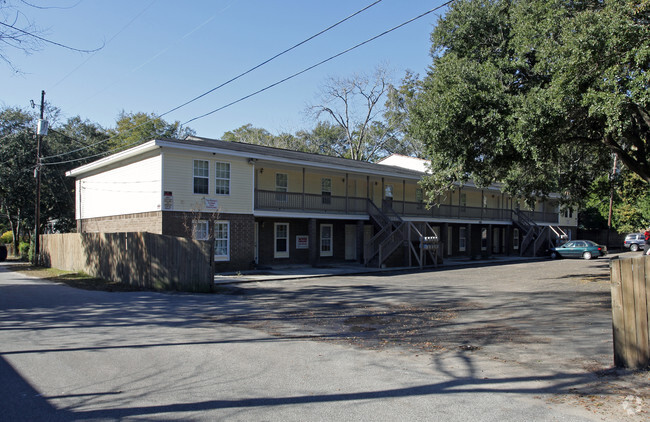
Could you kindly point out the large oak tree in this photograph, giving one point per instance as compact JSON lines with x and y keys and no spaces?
{"x":536,"y":94}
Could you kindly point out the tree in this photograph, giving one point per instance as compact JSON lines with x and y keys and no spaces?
{"x":135,"y":128}
{"x":17,"y":162}
{"x":630,"y":205}
{"x":67,"y":146}
{"x":399,"y":101}
{"x":19,"y":32}
{"x":353,"y":104}
{"x":248,"y":134}
{"x":535,"y":94}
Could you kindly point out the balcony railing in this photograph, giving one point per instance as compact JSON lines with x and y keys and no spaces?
{"x":313,"y":203}
{"x":307,"y":202}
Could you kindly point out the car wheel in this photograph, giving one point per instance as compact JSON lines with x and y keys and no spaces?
{"x":634,"y":247}
{"x":587,"y":255}
{"x":554,"y":255}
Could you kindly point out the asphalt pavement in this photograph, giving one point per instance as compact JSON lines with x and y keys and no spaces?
{"x":69,"y":354}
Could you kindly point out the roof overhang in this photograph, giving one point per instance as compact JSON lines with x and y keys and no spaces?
{"x":115,"y":158}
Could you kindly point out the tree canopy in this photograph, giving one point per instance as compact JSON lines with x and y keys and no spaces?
{"x":135,"y":128}
{"x":536,"y":94}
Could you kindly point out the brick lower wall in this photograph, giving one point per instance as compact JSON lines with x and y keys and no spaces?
{"x":139,"y":222}
{"x":242,"y":235}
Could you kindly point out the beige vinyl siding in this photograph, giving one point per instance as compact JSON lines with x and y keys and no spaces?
{"x":178,"y":179}
{"x":313,"y":183}
{"x":266,"y":179}
{"x":473,"y":197}
{"x":131,"y":188}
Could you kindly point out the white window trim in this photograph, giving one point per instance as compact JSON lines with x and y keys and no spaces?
{"x":388,"y":191}
{"x":484,"y":239}
{"x":221,"y":178}
{"x":462,"y":239}
{"x":225,"y":257}
{"x":200,"y":235}
{"x":281,"y":189}
{"x":276,"y":253}
{"x":326,"y":195}
{"x":515,"y":239}
{"x":331,"y":239}
{"x":194,"y":176}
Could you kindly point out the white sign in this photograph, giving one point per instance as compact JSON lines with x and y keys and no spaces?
{"x":302,"y":242}
{"x":211,"y":204}
{"x":168,"y":201}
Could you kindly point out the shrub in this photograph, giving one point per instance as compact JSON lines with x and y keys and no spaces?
{"x":23,"y":249}
{"x":7,"y":237}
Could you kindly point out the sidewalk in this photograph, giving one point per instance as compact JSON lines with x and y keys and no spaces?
{"x":290,"y":272}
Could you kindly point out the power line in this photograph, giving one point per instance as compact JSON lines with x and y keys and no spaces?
{"x":223,"y":84}
{"x":49,"y":41}
{"x":318,"y":64}
{"x":91,"y":156}
{"x":107,"y":42}
{"x":272,"y":58}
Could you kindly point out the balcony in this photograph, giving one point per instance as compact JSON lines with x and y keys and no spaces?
{"x":326,"y":204}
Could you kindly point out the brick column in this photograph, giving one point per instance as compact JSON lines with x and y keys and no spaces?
{"x":313,"y":242}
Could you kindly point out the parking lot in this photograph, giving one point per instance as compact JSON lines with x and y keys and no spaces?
{"x":544,"y":318}
{"x":518,"y":341}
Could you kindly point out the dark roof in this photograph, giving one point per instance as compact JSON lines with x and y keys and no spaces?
{"x":286,"y":155}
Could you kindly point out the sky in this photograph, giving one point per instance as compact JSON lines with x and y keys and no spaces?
{"x":158,"y":54}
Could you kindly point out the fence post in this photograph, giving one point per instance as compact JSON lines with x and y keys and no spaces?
{"x":630,"y":287}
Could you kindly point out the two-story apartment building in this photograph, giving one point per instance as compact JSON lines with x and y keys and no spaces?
{"x":269,"y":206}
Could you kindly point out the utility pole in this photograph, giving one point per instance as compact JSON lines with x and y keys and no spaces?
{"x":40,"y":132}
{"x":611,"y":198}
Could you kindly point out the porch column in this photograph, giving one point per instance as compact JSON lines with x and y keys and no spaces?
{"x":360,"y":241}
{"x":347,"y":194}
{"x":489,"y":240}
{"x":303,"y":188}
{"x":469,"y":245}
{"x":312,"y":230}
{"x":368,"y":187}
{"x":403,"y":196}
{"x":444,"y":229}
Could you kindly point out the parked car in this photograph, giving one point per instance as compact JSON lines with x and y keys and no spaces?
{"x":579,"y":249}
{"x":634,"y":241}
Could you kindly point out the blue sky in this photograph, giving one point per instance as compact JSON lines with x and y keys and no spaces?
{"x":161,"y":53}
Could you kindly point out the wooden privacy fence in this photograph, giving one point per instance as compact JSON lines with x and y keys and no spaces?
{"x":630,"y":311}
{"x":145,"y":260}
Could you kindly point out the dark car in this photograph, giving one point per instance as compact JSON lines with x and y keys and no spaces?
{"x":579,"y":249}
{"x":634,"y":241}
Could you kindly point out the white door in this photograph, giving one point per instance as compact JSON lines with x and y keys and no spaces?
{"x":350,"y":241}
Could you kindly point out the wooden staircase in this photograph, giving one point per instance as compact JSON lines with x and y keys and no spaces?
{"x":537,"y":239}
{"x":394,"y":233}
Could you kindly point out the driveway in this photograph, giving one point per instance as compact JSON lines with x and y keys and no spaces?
{"x":516,"y":342}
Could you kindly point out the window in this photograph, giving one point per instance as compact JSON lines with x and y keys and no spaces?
{"x":222,"y":240}
{"x":201,"y":175}
{"x":463,"y":200}
{"x":200,"y":230}
{"x":281,"y":240}
{"x":326,"y":190}
{"x":568,"y":213}
{"x":388,"y":191}
{"x":281,"y":185}
{"x":326,"y":240}
{"x":515,"y":239}
{"x":222,"y":178}
{"x":462,"y":238}
{"x":484,"y":239}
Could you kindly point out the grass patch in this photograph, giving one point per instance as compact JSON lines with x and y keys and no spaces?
{"x":77,"y":280}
